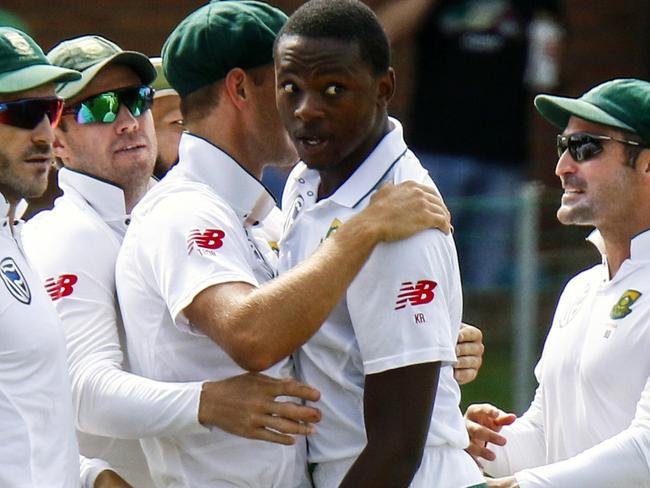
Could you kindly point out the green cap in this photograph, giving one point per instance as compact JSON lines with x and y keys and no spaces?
{"x":218,"y":37}
{"x":161,"y":85}
{"x":89,"y":54}
{"x":623,"y":104}
{"x":23,"y":65}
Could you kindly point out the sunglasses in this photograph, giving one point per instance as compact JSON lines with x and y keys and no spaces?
{"x":583,"y":146}
{"x":104,"y":107}
{"x":29,"y":112}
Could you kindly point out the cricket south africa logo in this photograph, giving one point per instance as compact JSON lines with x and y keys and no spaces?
{"x":622,"y":307}
{"x":60,"y":287}
{"x":416,"y":294}
{"x":14,"y":280}
{"x":206,"y":241}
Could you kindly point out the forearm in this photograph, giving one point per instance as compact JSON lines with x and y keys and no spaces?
{"x":114,"y":403}
{"x":619,"y":461}
{"x":272,"y":321}
{"x":90,"y":469}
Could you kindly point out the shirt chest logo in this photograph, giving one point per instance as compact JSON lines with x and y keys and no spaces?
{"x":334,"y":226}
{"x":60,"y":287}
{"x":622,"y":308}
{"x":205,"y":241}
{"x":14,"y":280}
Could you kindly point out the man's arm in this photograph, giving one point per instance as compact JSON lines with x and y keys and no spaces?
{"x":397,"y":413}
{"x":259,"y":326}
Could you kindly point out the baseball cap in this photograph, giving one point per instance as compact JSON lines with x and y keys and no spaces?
{"x":218,"y":37}
{"x":23,"y":65}
{"x":161,"y":85}
{"x":621,"y":103}
{"x":89,"y":54}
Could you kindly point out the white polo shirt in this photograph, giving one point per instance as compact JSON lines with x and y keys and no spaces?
{"x":590,"y":419}
{"x":200,"y":226}
{"x":73,"y":248}
{"x":38,"y":447}
{"x":403,"y":308}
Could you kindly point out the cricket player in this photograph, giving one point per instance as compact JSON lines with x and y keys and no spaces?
{"x":589,"y":423}
{"x":383,"y":358}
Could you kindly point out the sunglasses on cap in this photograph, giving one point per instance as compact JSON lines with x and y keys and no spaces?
{"x":583,"y":146}
{"x":27,"y":113}
{"x":104,"y":107}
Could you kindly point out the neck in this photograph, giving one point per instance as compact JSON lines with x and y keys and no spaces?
{"x":133,"y":194}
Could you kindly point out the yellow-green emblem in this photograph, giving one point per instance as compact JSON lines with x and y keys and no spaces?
{"x":622,"y":307}
{"x":334,"y":226}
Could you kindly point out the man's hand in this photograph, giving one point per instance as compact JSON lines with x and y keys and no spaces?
{"x":507,"y":482}
{"x":246,"y":406}
{"x":469,"y":351}
{"x":402,"y":210}
{"x":483,"y":422}
{"x":110,"y":479}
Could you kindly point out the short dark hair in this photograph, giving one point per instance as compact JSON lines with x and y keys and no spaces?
{"x":346,"y":20}
{"x":198,"y":104}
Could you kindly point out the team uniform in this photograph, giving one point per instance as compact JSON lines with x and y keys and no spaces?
{"x":403,"y":308}
{"x":38,"y":446}
{"x":589,"y":423}
{"x":73,"y":248}
{"x":202,"y":225}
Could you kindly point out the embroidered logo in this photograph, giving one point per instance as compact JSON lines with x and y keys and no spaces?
{"x":622,"y":307}
{"x":205,"y":242}
{"x":15,"y":281}
{"x":274,"y":247}
{"x":60,"y":287}
{"x":418,"y":294}
{"x":334,"y":226}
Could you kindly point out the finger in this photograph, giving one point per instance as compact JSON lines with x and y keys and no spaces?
{"x":286,"y":426}
{"x":293,"y":388}
{"x":468,"y":362}
{"x":469,"y":333}
{"x":482,"y":435}
{"x":505,"y":419}
{"x":267,"y":435}
{"x":295,"y":412}
{"x":464,"y":376}
{"x":480,"y":451}
{"x":480,"y":411}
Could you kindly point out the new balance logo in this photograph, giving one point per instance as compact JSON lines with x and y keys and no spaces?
{"x":60,"y":287}
{"x":418,"y":294}
{"x":207,"y":241}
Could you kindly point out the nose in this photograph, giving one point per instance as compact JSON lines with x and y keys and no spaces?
{"x":43,"y":132}
{"x":125,"y":121}
{"x":308,"y":107}
{"x":565,"y":164}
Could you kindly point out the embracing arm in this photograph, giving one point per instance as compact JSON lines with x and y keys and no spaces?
{"x":397,"y":413}
{"x":259,"y":326}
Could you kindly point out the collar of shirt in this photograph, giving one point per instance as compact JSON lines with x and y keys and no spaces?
{"x":202,"y":161}
{"x":639,"y":253}
{"x":104,"y":197}
{"x":21,"y":207}
{"x":371,"y":171}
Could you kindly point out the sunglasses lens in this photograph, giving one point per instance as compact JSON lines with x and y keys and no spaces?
{"x":27,"y":114}
{"x":581,"y":146}
{"x":104,"y":107}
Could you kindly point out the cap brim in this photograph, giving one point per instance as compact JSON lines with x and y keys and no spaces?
{"x":139,"y":62}
{"x":558,"y":110}
{"x":35,"y":76}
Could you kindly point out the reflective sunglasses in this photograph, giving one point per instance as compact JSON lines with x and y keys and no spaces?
{"x":583,"y":146}
{"x":29,"y":112}
{"x":104,"y":107}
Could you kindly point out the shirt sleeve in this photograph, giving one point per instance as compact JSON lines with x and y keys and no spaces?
{"x":622,"y":460}
{"x":200,"y":242}
{"x":107,"y":400}
{"x":400,"y":303}
{"x":90,"y":470}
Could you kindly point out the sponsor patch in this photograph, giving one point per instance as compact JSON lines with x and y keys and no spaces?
{"x":414,"y":295}
{"x":60,"y":287}
{"x":15,"y":281}
{"x":206,"y":241}
{"x":622,"y":307}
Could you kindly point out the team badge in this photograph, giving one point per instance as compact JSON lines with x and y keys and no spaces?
{"x":334,"y":226}
{"x":15,"y":281}
{"x":274,"y":247}
{"x":622,"y":308}
{"x":60,"y":287}
{"x":206,"y":241}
